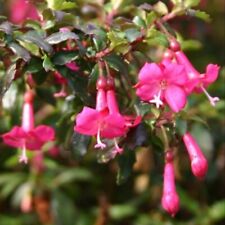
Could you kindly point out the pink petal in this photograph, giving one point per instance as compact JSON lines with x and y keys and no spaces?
{"x":147,"y":91}
{"x":44,"y":133}
{"x":15,"y":137}
{"x":175,"y":97}
{"x":114,"y":126}
{"x":87,"y":122}
{"x":73,"y":66}
{"x":211,"y":73}
{"x":150,"y":72}
{"x":175,"y":74}
{"x":132,"y":121}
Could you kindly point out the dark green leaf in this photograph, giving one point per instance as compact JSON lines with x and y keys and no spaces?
{"x":61,"y":36}
{"x":7,"y":80}
{"x":20,"y":51}
{"x":34,"y":37}
{"x":80,"y":144}
{"x":63,"y":209}
{"x":63,"y":57}
{"x":46,"y":95}
{"x":34,"y":65}
{"x":126,"y":162}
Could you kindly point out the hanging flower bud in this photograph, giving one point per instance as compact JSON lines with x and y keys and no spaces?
{"x":199,"y":164}
{"x":170,"y":199}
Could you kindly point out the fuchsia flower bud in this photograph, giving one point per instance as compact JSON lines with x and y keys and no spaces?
{"x":170,"y":199}
{"x":199,"y":164}
{"x":27,"y":136}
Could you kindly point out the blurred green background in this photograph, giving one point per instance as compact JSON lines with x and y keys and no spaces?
{"x":84,"y":192}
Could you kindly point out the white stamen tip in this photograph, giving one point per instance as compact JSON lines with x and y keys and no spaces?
{"x":156,"y":100}
{"x":212,"y":100}
{"x":99,"y":144}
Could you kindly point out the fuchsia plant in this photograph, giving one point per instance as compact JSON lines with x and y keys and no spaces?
{"x":166,"y":84}
{"x":28,"y":137}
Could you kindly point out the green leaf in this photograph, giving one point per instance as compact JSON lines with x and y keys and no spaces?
{"x":216,"y":212}
{"x":62,"y":209}
{"x":63,"y":57}
{"x":126,"y":162}
{"x":34,"y":65}
{"x":150,"y":18}
{"x":160,"y":8}
{"x":60,"y":4}
{"x":6,"y":27}
{"x":139,"y":22}
{"x":80,"y":144}
{"x":118,"y":212}
{"x":191,"y":3}
{"x":61,"y":36}
{"x":199,"y":14}
{"x":7,"y":80}
{"x":155,"y":37}
{"x":46,"y":95}
{"x":71,"y":175}
{"x":132,"y":34}
{"x":20,"y":51}
{"x":118,"y":41}
{"x":34,"y":37}
{"x":47,"y":64}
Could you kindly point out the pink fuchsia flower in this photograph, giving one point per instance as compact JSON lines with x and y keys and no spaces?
{"x":199,"y":164}
{"x":170,"y":199}
{"x":20,"y":10}
{"x":159,"y":83}
{"x":100,"y":121}
{"x":28,"y":137}
{"x":197,"y":82}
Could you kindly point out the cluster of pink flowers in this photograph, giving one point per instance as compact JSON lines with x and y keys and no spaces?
{"x":170,"y":82}
{"x":173,"y":79}
{"x":105,"y":121}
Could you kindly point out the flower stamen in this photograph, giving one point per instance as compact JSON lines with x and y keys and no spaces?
{"x":23,"y":157}
{"x":212,"y":100}
{"x":99,"y":144}
{"x":156,"y":100}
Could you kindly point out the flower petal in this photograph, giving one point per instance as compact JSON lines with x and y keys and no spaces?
{"x":44,"y":133}
{"x":146,"y":92}
{"x":15,"y":137}
{"x":87,"y":122}
{"x":114,"y":126}
{"x":175,"y":97}
{"x":211,"y":74}
{"x":150,"y":72}
{"x":175,"y":74}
